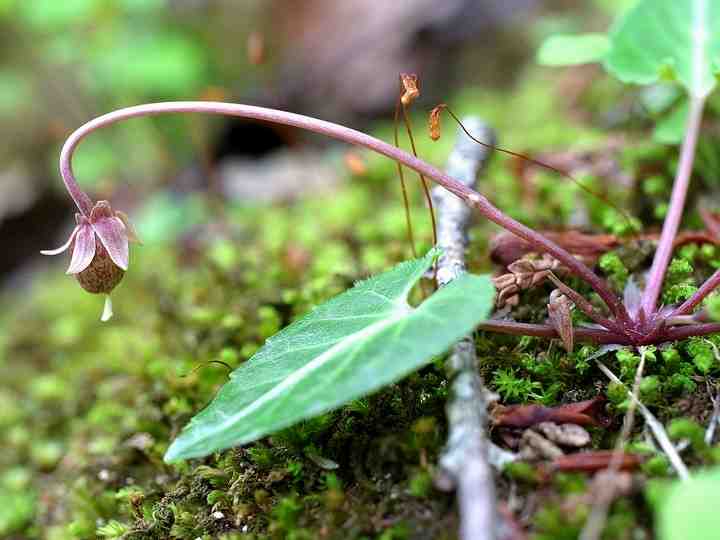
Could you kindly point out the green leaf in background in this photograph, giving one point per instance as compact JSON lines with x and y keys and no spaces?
{"x":670,"y":129}
{"x":354,"y":344}
{"x":51,"y":14}
{"x":690,"y":511}
{"x":659,"y":37}
{"x":159,"y":63}
{"x":567,"y":50}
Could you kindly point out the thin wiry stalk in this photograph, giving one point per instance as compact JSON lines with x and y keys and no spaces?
{"x":471,"y":197}
{"x":675,"y":209}
{"x":403,"y":186}
{"x":538,"y":163}
{"x":423,"y":180}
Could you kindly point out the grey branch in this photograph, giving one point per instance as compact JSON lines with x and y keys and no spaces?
{"x":464,"y":461}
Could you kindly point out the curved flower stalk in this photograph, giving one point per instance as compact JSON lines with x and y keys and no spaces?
{"x":641,"y":328}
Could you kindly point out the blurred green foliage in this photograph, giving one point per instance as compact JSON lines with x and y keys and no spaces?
{"x":61,"y":63}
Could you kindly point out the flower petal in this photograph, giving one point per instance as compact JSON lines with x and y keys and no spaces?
{"x":129,"y":227}
{"x":84,"y":249}
{"x":62,"y":248}
{"x":111,"y":232}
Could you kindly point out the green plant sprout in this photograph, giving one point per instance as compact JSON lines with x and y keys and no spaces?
{"x":332,"y":355}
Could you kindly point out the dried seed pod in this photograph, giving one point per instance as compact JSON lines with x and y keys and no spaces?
{"x":434,"y":121}
{"x":559,"y":310}
{"x":411,"y":92}
{"x":524,"y":273}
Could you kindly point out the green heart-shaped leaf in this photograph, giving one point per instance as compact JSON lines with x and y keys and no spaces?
{"x":359,"y":341}
{"x":657,"y":38}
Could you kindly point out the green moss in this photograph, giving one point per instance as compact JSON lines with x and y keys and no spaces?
{"x":614,"y":268}
{"x":553,"y":523}
{"x":657,"y":466}
{"x":514,"y":388}
{"x":684,"y":428}
{"x":17,"y":500}
{"x":712,"y":303}
{"x":522,"y":472}
{"x":650,"y":389}
{"x":703,"y":354}
{"x":87,"y":409}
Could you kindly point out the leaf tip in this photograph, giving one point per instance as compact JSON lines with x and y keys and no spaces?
{"x":174,"y":453}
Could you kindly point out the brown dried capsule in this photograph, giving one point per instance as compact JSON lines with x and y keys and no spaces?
{"x":411,"y":91}
{"x":559,"y":309}
{"x":434,"y":121}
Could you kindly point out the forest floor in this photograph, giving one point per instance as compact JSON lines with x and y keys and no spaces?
{"x":88,"y":409}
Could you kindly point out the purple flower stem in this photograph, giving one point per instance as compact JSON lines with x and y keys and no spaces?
{"x":351,"y":136}
{"x":598,"y":336}
{"x":706,"y":288}
{"x":675,"y":210}
{"x":677,"y":333}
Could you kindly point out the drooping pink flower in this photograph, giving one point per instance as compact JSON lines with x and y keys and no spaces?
{"x":100,"y":250}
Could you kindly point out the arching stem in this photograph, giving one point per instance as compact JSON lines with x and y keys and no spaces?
{"x":471,"y":197}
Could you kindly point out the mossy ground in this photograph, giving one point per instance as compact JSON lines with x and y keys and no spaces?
{"x":88,"y":409}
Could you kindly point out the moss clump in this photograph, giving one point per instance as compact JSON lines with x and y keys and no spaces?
{"x":88,"y":410}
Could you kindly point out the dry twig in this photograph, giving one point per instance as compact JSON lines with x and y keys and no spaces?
{"x":465,"y":458}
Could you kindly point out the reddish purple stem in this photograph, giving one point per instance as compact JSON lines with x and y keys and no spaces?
{"x":595,"y":335}
{"x":705,"y":289}
{"x":623,"y":330}
{"x":351,"y":136}
{"x":675,"y":210}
